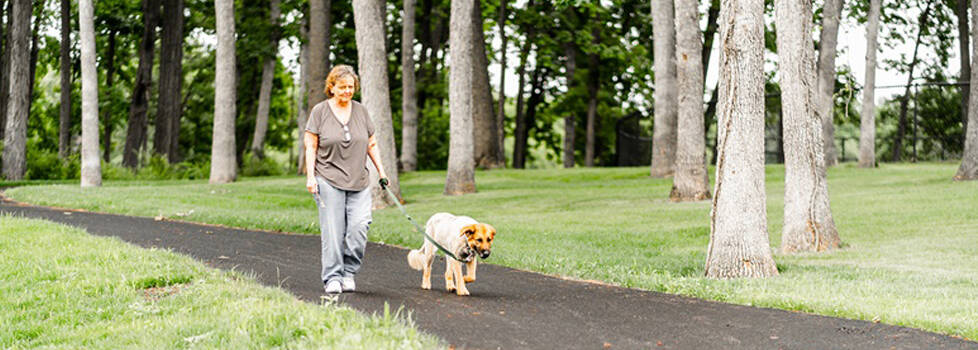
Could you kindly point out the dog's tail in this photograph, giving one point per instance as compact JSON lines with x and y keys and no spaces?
{"x":416,"y":259}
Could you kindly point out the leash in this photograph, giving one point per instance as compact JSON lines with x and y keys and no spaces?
{"x":418,"y":227}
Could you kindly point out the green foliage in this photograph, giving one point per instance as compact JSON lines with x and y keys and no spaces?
{"x":254,"y":166}
{"x":44,"y":164}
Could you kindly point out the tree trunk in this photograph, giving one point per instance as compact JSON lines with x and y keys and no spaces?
{"x":35,"y":49}
{"x":319,"y":25}
{"x":91,"y":166}
{"x":594,"y":82}
{"x":828,"y":40}
{"x":368,"y":18}
{"x":18,"y":105}
{"x":969,"y":160}
{"x":664,"y":53}
{"x":501,"y":109}
{"x":738,"y":228}
{"x":409,"y":94}
{"x":4,"y":63}
{"x":483,"y":121}
{"x":570,"y":51}
{"x":171,"y":75}
{"x":691,"y":181}
{"x":808,"y":223}
{"x":902,"y":124}
{"x":962,"y":14}
{"x":223,"y":161}
{"x":136,"y":130}
{"x":461,"y":165}
{"x":867,"y":122}
{"x":265,"y":91}
{"x":303,"y":116}
{"x":64,"y":120}
{"x":519,"y":142}
{"x":109,"y":82}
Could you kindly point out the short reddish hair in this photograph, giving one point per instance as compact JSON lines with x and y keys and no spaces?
{"x":338,"y":72}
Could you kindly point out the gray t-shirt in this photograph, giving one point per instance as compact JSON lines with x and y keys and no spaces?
{"x":342,"y":162}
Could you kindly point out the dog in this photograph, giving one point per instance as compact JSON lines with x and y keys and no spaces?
{"x":461,"y":235}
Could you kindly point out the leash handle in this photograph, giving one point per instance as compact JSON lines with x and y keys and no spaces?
{"x":416,"y":226}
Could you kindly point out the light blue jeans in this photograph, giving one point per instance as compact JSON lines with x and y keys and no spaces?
{"x":344,"y":218}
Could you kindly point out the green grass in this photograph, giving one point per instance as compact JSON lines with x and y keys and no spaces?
{"x":62,"y":288}
{"x":908,"y":231}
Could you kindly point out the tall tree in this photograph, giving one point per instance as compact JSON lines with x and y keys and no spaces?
{"x":4,"y":63}
{"x":594,"y":83}
{"x":828,"y":40}
{"x":368,"y":16}
{"x":319,"y":26}
{"x":138,"y":109}
{"x":265,"y":91}
{"x":691,"y":181}
{"x":969,"y":160}
{"x":223,"y":163}
{"x":409,"y":94}
{"x":664,"y":53}
{"x":520,"y":130}
{"x":570,"y":122}
{"x":302,"y":107}
{"x":167,"y":138}
{"x":501,"y":103}
{"x":738,"y":228}
{"x":460,"y":178}
{"x":91,"y":166}
{"x":867,"y":122}
{"x":19,"y":103}
{"x":962,"y":13}
{"x":109,"y":82}
{"x":64,"y":122}
{"x":808,"y":223}
{"x":483,"y":120}
{"x":905,"y":99}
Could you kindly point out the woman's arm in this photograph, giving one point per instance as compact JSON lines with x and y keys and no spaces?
{"x":373,"y":152}
{"x":311,"y":142}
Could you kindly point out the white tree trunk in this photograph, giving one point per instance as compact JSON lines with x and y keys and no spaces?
{"x":808,"y":224}
{"x":969,"y":161}
{"x":409,"y":95}
{"x":223,"y":158}
{"x":19,"y":102}
{"x":368,"y":17}
{"x":738,"y":230}
{"x":664,"y":53}
{"x":265,"y":91}
{"x":461,"y":163}
{"x":867,"y":121}
{"x":828,"y":39}
{"x":303,"y":116}
{"x":691,"y":182}
{"x":91,"y":166}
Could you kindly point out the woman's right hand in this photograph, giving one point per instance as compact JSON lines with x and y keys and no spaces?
{"x":311,"y":185}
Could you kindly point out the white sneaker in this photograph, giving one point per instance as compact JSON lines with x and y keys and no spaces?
{"x":333,"y":287}
{"x":348,"y":284}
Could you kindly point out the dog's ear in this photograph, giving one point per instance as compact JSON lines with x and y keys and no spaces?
{"x":469,"y":230}
{"x":491,"y":230}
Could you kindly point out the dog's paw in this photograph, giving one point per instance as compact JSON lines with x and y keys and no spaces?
{"x":426,"y":286}
{"x":468,"y":279}
{"x":462,"y":291}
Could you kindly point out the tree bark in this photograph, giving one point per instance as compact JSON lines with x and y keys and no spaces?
{"x":368,"y":18}
{"x":136,"y":130}
{"x":808,"y":223}
{"x":905,"y":100}
{"x":664,"y":53}
{"x":828,"y":40}
{"x":91,"y":166}
{"x":109,"y":82}
{"x":4,"y":63}
{"x":969,"y":160}
{"x":867,"y":120}
{"x":167,"y":137}
{"x":483,"y":120}
{"x":570,"y":51}
{"x":963,"y":45}
{"x":64,"y":115}
{"x":18,"y":104}
{"x":738,"y":228}
{"x":594,"y":82}
{"x":265,"y":91}
{"x":319,"y":25}
{"x":501,"y":109}
{"x":691,"y":181}
{"x":461,"y":164}
{"x":519,"y":142}
{"x":223,"y":161}
{"x":303,"y":116}
{"x":409,"y":94}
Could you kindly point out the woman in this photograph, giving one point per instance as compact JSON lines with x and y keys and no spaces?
{"x":340,"y":136}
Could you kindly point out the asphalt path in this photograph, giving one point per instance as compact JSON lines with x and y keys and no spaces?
{"x":508,"y":308}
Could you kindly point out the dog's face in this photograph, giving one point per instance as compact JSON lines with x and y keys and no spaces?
{"x":479,"y":238}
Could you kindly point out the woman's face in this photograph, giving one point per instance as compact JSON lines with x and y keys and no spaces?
{"x":343,"y":89}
